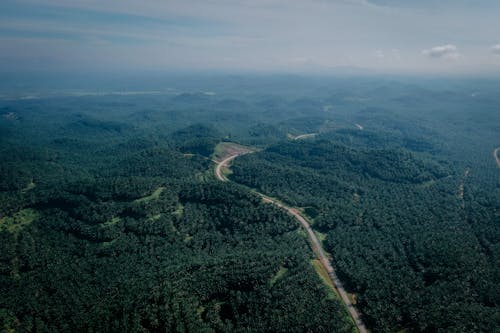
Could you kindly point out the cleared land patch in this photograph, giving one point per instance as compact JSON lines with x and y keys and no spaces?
{"x":281,"y":272}
{"x":226,"y":149}
{"x":111,"y":222}
{"x":19,"y":220}
{"x":155,"y":195}
{"x":28,"y":187}
{"x":224,"y":152}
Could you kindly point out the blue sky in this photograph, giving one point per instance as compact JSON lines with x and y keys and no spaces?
{"x":318,"y":36}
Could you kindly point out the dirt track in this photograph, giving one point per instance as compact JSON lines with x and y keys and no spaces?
{"x":315,"y":244}
{"x":305,"y":136}
{"x":222,"y":164}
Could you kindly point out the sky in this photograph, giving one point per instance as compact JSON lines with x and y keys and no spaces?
{"x":303,"y":36}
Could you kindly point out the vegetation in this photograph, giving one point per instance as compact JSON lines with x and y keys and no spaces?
{"x":111,"y":219}
{"x":402,"y":238}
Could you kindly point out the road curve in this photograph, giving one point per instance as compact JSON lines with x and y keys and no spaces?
{"x":315,"y":244}
{"x":222,"y":164}
{"x":495,"y":154}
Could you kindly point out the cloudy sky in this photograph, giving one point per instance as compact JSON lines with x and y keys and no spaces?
{"x":425,"y":36}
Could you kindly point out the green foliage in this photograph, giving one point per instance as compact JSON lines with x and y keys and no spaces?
{"x":407,"y":249}
{"x":18,"y":221}
{"x":122,"y":236}
{"x":197,"y":139}
{"x":124,"y":232}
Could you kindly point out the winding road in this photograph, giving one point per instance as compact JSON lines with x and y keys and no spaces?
{"x":222,"y":164}
{"x":314,"y":241}
{"x":495,"y":154}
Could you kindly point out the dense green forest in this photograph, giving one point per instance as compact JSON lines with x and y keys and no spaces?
{"x":402,"y":238}
{"x":111,"y":219}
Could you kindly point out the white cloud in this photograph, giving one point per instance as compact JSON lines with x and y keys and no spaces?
{"x":495,"y":49}
{"x":448,"y":52}
{"x":252,"y":34}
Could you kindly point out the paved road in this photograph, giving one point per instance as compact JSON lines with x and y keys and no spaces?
{"x":315,"y":244}
{"x":495,"y":153}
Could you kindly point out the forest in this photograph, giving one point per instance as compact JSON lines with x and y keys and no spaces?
{"x":400,"y":237}
{"x":111,"y":219}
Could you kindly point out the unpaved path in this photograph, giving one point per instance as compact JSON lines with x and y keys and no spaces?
{"x":495,"y":154}
{"x":223,"y":164}
{"x":461,"y":187}
{"x":305,"y":136}
{"x":315,"y":244}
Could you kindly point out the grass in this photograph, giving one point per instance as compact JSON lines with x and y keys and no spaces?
{"x":303,"y":233}
{"x":226,"y":149}
{"x":226,"y":172}
{"x":28,"y":187}
{"x":111,"y":222}
{"x":19,"y":220}
{"x":321,"y":236}
{"x":155,"y":217}
{"x":323,"y":275}
{"x":281,"y":272}
{"x":179,"y":211}
{"x":219,"y":151}
{"x":108,"y":244}
{"x":200,"y":310}
{"x":153,"y":196}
